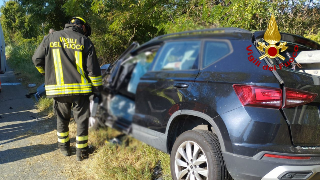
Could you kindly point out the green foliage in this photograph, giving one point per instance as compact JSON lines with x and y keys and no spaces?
{"x":80,"y":8}
{"x":117,"y":23}
{"x":50,"y":13}
{"x":16,"y":23}
{"x":314,"y":37}
{"x":122,"y":22}
{"x":296,"y":17}
{"x":20,"y":59}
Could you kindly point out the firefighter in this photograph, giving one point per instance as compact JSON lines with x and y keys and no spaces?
{"x":68,"y":60}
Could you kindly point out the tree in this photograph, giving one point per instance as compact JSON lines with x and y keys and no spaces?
{"x":117,"y":23}
{"x":49,"y":12}
{"x":16,"y":23}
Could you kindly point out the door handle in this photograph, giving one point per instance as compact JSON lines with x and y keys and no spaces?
{"x":181,"y":85}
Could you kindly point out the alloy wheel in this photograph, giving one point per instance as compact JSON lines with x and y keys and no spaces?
{"x":191,"y":162}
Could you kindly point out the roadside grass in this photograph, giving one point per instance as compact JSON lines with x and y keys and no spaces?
{"x":130,"y":160}
{"x":20,"y":60}
{"x":45,"y":106}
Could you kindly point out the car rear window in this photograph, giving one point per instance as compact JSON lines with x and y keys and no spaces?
{"x":182,"y":55}
{"x":214,"y":51}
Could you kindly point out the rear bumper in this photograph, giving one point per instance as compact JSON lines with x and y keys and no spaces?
{"x":259,"y":167}
{"x":297,"y":172}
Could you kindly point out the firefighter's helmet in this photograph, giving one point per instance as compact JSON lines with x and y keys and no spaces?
{"x":80,"y":21}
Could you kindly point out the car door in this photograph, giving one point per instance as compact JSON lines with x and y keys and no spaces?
{"x":110,"y":77}
{"x":165,"y":89}
{"x":109,"y":82}
{"x":119,"y":104}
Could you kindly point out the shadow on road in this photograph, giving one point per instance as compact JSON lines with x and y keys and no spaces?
{"x":23,"y":139}
{"x":18,"y":131}
{"x":17,"y":154}
{"x":20,"y":123}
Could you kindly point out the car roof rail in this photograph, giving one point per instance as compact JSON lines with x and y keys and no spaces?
{"x":204,"y":31}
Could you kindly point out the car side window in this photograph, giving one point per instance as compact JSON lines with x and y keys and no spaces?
{"x":142,"y":63}
{"x":178,"y":56}
{"x":214,"y":51}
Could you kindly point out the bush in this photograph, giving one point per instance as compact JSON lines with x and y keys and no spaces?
{"x":314,"y":37}
{"x":20,"y":59}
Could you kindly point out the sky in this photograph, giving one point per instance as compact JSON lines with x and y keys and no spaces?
{"x":2,"y":2}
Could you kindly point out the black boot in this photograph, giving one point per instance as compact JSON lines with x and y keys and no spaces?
{"x":65,"y":148}
{"x":66,"y":151}
{"x":82,"y":153}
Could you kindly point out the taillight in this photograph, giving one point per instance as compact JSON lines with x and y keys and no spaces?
{"x":268,"y":97}
{"x":297,"y":97}
{"x":259,"y":96}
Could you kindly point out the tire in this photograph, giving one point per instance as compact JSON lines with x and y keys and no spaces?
{"x":205,"y":148}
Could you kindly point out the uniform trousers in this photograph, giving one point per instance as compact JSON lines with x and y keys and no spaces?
{"x":80,"y":106}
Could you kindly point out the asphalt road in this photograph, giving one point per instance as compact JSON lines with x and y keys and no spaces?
{"x":25,"y":152}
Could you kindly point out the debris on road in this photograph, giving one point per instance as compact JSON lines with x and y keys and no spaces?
{"x":157,"y":172}
{"x":31,"y":85}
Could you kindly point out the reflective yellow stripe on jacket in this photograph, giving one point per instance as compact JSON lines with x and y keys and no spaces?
{"x":61,"y":88}
{"x":68,"y":89}
{"x":58,"y":66}
{"x":40,"y":69}
{"x":78,"y":55}
{"x":96,"y":81}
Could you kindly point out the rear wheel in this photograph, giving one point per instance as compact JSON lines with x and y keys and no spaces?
{"x":196,"y":155}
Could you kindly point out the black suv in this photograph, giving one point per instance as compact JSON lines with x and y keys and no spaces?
{"x":207,"y":99}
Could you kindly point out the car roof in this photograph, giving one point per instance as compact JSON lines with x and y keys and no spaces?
{"x":222,"y":33}
{"x":216,"y":33}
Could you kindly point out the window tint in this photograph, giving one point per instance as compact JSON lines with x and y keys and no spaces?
{"x":141,"y":64}
{"x":178,"y":56}
{"x":214,"y":50}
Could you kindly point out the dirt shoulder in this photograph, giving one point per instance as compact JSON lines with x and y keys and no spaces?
{"x":28,"y":141}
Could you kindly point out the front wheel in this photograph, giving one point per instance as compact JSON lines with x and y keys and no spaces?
{"x":196,"y":155}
